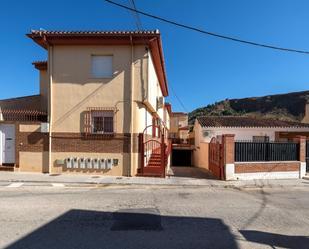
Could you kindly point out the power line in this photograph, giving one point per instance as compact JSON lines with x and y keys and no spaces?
{"x":207,"y":32}
{"x":179,"y":100}
{"x":139,"y":27}
{"x":136,"y":16}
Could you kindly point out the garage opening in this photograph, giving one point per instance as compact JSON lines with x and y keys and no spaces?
{"x":181,"y":158}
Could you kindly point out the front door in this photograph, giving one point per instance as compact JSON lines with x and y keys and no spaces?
{"x":7,"y":144}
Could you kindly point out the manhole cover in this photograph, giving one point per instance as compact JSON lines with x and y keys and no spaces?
{"x":137,"y":219}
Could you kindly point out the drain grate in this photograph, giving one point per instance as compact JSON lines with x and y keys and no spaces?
{"x":137,"y":219}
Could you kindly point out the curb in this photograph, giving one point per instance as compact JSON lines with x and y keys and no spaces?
{"x":230,"y":186}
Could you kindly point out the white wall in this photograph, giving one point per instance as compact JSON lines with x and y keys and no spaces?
{"x":243,"y":133}
{"x":154,"y":89}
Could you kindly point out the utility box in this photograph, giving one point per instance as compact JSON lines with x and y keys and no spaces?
{"x":82,"y":164}
{"x":115,"y":162}
{"x":44,"y":127}
{"x":95,"y":163}
{"x":68,"y":162}
{"x":75,"y":163}
{"x":88,"y":163}
{"x":102,"y":163}
{"x":108,"y":163}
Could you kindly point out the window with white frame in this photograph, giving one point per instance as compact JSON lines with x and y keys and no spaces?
{"x":102,"y":122}
{"x":101,"y":66}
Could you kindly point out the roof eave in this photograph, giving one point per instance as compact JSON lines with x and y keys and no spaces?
{"x":152,"y":39}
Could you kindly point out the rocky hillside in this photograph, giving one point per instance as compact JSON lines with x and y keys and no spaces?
{"x":289,"y":106}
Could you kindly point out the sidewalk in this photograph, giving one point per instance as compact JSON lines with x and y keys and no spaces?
{"x":171,"y":181}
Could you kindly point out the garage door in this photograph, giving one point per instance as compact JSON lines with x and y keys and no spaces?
{"x":181,"y":158}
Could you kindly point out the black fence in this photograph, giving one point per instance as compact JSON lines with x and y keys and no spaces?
{"x":266,"y":151}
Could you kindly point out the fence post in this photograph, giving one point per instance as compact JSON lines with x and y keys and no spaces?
{"x":302,"y":155}
{"x":228,"y":156}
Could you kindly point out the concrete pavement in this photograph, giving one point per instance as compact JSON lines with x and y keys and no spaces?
{"x":174,"y":217}
{"x":183,"y":180}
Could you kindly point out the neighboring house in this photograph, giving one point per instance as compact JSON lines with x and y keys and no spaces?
{"x":179,"y":135}
{"x":179,"y":130}
{"x":98,"y":92}
{"x":255,"y":131}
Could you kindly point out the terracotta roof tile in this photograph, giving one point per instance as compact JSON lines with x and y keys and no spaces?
{"x":94,"y":32}
{"x":232,"y":121}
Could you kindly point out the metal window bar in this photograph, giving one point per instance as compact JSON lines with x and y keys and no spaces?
{"x":248,"y":151}
{"x":23,"y":115}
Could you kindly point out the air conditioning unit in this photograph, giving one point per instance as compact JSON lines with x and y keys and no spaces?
{"x":88,"y":163}
{"x":160,"y":103}
{"x":108,"y":163}
{"x":75,"y":163}
{"x":82,"y":164}
{"x":95,"y":163}
{"x":68,"y":162}
{"x":44,"y":127}
{"x":102,"y":163}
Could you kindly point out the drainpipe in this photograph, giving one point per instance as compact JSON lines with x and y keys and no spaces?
{"x":50,"y":104}
{"x":132,"y":110}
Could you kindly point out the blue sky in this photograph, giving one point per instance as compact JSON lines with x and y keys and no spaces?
{"x":200,"y":69}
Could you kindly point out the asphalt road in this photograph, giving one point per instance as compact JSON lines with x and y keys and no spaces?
{"x":41,"y":216}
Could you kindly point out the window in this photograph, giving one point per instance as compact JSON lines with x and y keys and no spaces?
{"x":101,"y":66}
{"x":102,"y":122}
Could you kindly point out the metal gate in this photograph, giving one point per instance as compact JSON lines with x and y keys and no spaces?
{"x":216,"y":158}
{"x":307,"y":156}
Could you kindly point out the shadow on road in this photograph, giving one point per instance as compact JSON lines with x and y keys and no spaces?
{"x":138,"y":228}
{"x":276,"y":240}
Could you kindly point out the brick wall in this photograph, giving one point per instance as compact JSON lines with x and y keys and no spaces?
{"x":257,"y":167}
{"x":76,"y":142}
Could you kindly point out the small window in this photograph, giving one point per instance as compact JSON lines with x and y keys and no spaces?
{"x":101,"y":66}
{"x":102,"y":122}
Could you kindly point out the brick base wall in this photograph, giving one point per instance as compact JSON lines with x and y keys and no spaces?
{"x":266,"y":167}
{"x":76,"y":142}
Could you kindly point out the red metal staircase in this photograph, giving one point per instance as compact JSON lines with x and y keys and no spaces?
{"x":154,"y":153}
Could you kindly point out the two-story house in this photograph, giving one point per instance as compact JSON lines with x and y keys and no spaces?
{"x":102,"y":98}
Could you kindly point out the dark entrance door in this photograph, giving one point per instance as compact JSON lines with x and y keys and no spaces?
{"x":181,"y":158}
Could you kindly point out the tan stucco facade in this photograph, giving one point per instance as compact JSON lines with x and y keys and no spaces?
{"x":33,"y":162}
{"x":74,"y":90}
{"x":68,"y":91}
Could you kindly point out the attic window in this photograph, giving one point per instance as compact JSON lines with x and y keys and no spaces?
{"x":101,"y":66}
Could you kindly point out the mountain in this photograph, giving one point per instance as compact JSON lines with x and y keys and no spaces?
{"x":288,"y":106}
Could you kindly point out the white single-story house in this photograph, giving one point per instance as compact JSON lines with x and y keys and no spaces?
{"x":243,"y":129}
